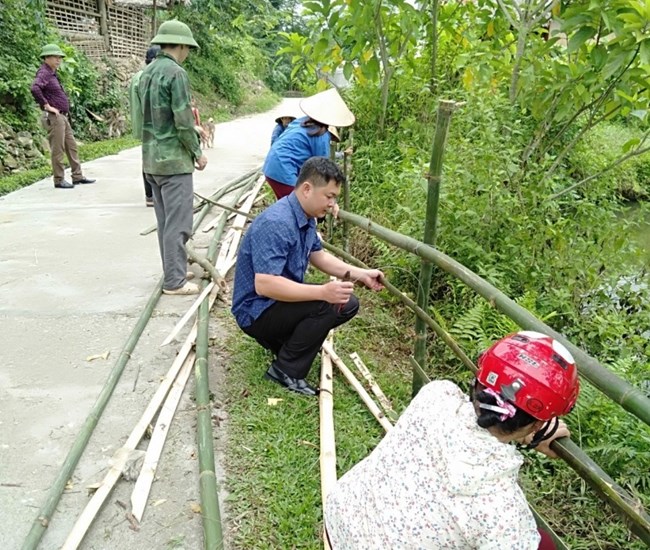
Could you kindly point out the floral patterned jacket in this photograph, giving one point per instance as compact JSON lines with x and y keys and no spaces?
{"x":437,"y":480}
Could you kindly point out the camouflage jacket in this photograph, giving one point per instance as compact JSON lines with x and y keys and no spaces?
{"x":170,"y":144}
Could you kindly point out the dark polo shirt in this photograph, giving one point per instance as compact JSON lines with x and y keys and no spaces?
{"x":46,"y":88}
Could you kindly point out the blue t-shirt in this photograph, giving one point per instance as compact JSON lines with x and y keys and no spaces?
{"x":289,"y":152}
{"x":278,"y":242}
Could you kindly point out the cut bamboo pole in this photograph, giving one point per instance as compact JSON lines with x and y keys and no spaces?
{"x":93,"y":506}
{"x":365,"y":397}
{"x":121,"y":456}
{"x":327,"y":438}
{"x":445,"y":110}
{"x":374,"y":387}
{"x":240,"y":220}
{"x":44,"y":516}
{"x":181,"y":323}
{"x":208,"y":267}
{"x":620,"y":391}
{"x":154,"y":449}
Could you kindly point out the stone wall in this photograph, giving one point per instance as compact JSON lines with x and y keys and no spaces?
{"x":20,"y":150}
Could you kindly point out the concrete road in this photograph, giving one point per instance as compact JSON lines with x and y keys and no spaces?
{"x":74,"y":276}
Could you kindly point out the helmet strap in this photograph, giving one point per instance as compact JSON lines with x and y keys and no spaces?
{"x":545,"y":432}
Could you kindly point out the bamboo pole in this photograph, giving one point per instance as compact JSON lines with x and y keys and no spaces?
{"x":210,"y":513}
{"x":372,"y":406}
{"x":188,"y":314}
{"x":374,"y":387}
{"x":619,"y":499}
{"x":207,"y":266}
{"x":327,"y":438}
{"x":242,"y":181}
{"x":445,"y":110}
{"x":143,"y":484}
{"x":620,"y":391}
{"x":121,"y":457}
{"x":432,"y":324}
{"x":240,"y":221}
{"x":44,"y":516}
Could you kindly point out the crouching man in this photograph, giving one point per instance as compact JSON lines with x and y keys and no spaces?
{"x":271,"y":301}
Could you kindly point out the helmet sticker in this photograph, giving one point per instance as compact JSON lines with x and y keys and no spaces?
{"x":528,"y":360}
{"x":492,"y":378}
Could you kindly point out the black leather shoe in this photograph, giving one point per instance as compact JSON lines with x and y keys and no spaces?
{"x":84,"y":180}
{"x":298,"y":385}
{"x":63,"y":185}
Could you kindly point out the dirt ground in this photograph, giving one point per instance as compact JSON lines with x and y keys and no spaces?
{"x":75,"y":275}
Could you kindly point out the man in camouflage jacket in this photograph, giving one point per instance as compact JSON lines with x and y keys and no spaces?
{"x":171,"y":150}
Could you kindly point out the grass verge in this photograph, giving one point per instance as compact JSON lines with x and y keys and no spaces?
{"x":87,"y":151}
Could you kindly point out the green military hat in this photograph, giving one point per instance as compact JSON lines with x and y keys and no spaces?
{"x":175,"y":32}
{"x":51,"y":49}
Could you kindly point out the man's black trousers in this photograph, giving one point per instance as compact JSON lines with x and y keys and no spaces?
{"x":295,"y":331}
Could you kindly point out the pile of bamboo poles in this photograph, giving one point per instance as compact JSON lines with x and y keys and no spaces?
{"x":166,"y":398}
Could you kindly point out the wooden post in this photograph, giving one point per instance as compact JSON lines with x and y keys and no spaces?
{"x":103,"y":23}
{"x":153,"y":20}
{"x":445,"y":110}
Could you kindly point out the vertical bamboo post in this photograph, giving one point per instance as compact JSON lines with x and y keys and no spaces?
{"x":445,"y":110}
{"x":347,"y":172}
{"x":103,"y":23}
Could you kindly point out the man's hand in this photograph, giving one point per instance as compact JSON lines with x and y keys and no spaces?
{"x":337,"y":292}
{"x":371,"y":278}
{"x":201,"y":162}
{"x":545,"y":446}
{"x":335,"y":211}
{"x":51,"y":109}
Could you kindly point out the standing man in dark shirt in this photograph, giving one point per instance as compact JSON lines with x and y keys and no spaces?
{"x":271,"y":302}
{"x":51,"y":97}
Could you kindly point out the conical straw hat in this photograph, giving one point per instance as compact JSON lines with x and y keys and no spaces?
{"x":328,"y":108}
{"x":285,"y":115}
{"x":335,"y":133}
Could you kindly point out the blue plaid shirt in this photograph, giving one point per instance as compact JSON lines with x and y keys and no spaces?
{"x":278,"y":242}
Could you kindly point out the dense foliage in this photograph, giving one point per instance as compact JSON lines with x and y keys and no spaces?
{"x":24,"y":30}
{"x":237,"y":42}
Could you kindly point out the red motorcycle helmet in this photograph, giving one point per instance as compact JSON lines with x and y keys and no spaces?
{"x":532,"y":371}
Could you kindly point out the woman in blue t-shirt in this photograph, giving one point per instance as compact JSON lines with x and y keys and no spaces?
{"x":305,"y":137}
{"x":281,"y":124}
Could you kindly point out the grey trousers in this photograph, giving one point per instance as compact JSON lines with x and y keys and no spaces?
{"x":173,"y":204}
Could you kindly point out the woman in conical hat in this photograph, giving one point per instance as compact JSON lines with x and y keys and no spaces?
{"x":281,"y":124}
{"x":305,"y":137}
